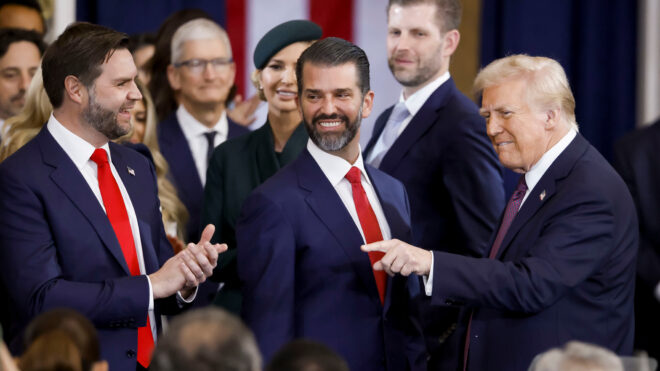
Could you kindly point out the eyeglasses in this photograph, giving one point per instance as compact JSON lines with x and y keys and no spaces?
{"x":198,"y":66}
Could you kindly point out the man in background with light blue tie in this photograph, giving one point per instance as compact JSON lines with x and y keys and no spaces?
{"x":434,"y":141}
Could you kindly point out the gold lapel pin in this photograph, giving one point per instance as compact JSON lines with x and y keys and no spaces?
{"x":130,"y":171}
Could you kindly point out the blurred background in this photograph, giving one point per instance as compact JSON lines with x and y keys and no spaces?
{"x":610,"y":49}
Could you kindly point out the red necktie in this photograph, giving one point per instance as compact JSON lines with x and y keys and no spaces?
{"x":510,"y":213}
{"x":115,"y":208}
{"x":370,"y":226}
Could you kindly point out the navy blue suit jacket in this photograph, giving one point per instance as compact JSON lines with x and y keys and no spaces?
{"x":565,"y":269}
{"x":174,"y":147}
{"x":305,"y":276}
{"x":58,"y":248}
{"x":636,"y":159}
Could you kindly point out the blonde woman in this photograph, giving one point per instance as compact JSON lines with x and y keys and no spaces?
{"x":25,"y":126}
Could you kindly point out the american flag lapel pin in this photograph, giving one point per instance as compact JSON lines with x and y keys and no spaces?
{"x":542,"y":195}
{"x":130,"y":170}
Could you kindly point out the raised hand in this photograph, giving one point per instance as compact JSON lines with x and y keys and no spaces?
{"x":243,"y":111}
{"x":188,"y":268}
{"x":401,"y":257}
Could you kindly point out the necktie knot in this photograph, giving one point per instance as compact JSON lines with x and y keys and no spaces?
{"x":99,"y":156}
{"x":520,"y":191}
{"x":353,"y":176}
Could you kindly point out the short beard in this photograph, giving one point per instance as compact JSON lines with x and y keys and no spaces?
{"x":103,"y":120}
{"x":332,"y":143}
{"x":424,"y":74}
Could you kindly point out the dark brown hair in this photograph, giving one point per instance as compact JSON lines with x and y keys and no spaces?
{"x":79,"y":51}
{"x":448,"y":12}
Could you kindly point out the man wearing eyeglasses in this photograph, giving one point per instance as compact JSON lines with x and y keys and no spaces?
{"x":201,"y":74}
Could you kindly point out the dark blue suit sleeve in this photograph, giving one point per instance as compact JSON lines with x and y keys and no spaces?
{"x":266,"y":267}
{"x":29,"y":260}
{"x":574,"y":243}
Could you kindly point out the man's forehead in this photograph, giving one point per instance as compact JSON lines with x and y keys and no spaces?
{"x":326,"y":77}
{"x":18,"y":53}
{"x":205,"y":47}
{"x":119,"y":63}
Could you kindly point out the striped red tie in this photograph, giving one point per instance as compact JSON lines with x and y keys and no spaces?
{"x":370,"y":226}
{"x":115,"y":208}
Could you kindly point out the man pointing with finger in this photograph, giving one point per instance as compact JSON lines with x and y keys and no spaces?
{"x":299,"y":234}
{"x":562,"y":264}
{"x":80,"y":221}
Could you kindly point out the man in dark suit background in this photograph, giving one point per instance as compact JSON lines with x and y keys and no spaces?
{"x":80,"y":224}
{"x":562,"y":265}
{"x":299,"y":233}
{"x":201,"y":74}
{"x":636,"y":159}
{"x":434,"y":141}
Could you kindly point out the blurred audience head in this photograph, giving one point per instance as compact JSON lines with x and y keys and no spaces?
{"x":142,"y":47}
{"x":24,"y":126}
{"x":7,"y":363}
{"x":577,"y":356}
{"x":24,"y":14}
{"x":306,"y":355}
{"x":52,"y":351}
{"x":208,"y":339}
{"x":20,"y":53}
{"x":164,"y":97}
{"x":69,"y":324}
{"x":202,"y":70}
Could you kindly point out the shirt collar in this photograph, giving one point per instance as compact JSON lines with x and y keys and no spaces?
{"x":415,"y":102}
{"x":192,"y":128}
{"x":78,"y":149}
{"x":335,"y":167}
{"x":534,"y":174}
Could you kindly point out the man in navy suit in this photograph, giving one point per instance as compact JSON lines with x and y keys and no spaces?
{"x":80,"y":224}
{"x":201,"y":75}
{"x":562,"y":264}
{"x":434,"y":141}
{"x":299,"y":234}
{"x":636,"y":159}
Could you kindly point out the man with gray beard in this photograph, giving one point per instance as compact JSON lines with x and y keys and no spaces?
{"x":299,"y":233}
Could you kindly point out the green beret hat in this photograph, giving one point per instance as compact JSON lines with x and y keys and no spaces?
{"x":282,"y":36}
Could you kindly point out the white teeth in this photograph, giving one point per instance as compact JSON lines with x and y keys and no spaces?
{"x":330,"y":124}
{"x":286,"y":93}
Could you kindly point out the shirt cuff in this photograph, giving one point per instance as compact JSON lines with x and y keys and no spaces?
{"x":151,"y":295}
{"x":181,"y":300}
{"x":428,"y":281}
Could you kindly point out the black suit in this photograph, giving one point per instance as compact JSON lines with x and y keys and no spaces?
{"x":637,"y":159}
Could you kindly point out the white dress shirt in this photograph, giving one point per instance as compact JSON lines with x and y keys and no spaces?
{"x":414,"y":103}
{"x":335,"y":169}
{"x":194,"y":132}
{"x":532,"y":178}
{"x":80,"y":151}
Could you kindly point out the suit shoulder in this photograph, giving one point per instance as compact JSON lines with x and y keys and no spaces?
{"x":641,"y":140}
{"x":23,"y":160}
{"x":383,"y":178}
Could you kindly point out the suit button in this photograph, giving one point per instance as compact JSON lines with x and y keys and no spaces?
{"x":130,"y":353}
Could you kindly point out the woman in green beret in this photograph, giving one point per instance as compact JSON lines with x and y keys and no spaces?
{"x":241,"y":164}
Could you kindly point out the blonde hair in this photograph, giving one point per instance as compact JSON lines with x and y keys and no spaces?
{"x":29,"y":121}
{"x":579,"y":355}
{"x":173,"y":209}
{"x":546,"y":81}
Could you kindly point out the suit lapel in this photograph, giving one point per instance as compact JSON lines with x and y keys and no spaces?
{"x":547,"y":187}
{"x":327,"y":205}
{"x":378,"y":129}
{"x":418,"y":126}
{"x":174,"y":147}
{"x":265,"y":160}
{"x":69,"y":179}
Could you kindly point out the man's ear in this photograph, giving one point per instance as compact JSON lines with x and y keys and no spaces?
{"x":552,"y":117}
{"x":173,"y":77}
{"x":367,"y":104}
{"x":451,"y":40}
{"x":74,"y":89}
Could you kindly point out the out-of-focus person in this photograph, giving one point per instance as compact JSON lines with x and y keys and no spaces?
{"x":24,"y":126}
{"x":143,"y":46}
{"x":577,"y":356}
{"x":562,"y":263}
{"x":202,"y":73}
{"x":208,"y":339}
{"x":23,"y":14}
{"x":306,"y":355}
{"x":77,"y":329}
{"x":636,"y":159}
{"x":20,"y":54}
{"x":52,"y":351}
{"x":239,"y":165}
{"x":7,"y":362}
